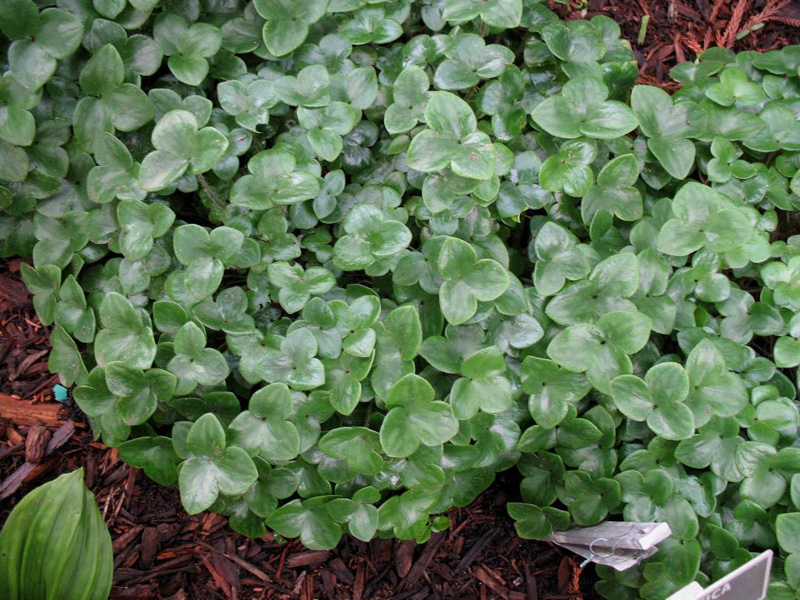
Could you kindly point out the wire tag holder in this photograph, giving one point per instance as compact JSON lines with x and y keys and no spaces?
{"x":617,"y":544}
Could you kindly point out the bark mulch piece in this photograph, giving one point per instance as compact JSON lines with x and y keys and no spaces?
{"x":678,"y":30}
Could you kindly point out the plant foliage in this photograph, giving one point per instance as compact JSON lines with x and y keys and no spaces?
{"x":330,"y":265}
{"x":55,"y":544}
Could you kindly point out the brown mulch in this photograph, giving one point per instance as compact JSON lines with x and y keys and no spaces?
{"x":24,"y":343}
{"x":678,"y":30}
{"x":161,"y":552}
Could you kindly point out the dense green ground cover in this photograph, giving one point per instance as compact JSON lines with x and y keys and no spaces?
{"x":329,"y":265}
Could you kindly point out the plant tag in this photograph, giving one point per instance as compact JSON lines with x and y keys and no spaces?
{"x":748,"y":582}
{"x":616,"y":544}
{"x":60,"y":393}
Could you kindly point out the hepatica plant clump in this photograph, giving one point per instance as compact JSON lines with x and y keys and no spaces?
{"x":331,"y":265}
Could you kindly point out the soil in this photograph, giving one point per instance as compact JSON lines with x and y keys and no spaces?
{"x":679,"y":30}
{"x":162,"y":553}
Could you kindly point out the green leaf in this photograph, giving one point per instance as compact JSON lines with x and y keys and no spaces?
{"x":140,"y":224}
{"x":274,"y":180}
{"x":452,"y":140}
{"x":297,"y":286}
{"x":193,"y":363}
{"x":551,"y":390}
{"x":60,"y":32}
{"x":659,"y":116}
{"x":702,"y":219}
{"x":713,"y":389}
{"x":310,"y":521}
{"x":415,"y":418}
{"x":448,"y":114}
{"x":201,"y":480}
{"x":116,"y":173}
{"x":577,"y":42}
{"x":139,"y":392}
{"x":44,"y":283}
{"x":535,"y":523}
{"x":14,"y":162}
{"x":503,"y":14}
{"x":369,"y":237}
{"x":19,"y":18}
{"x":17,"y":124}
{"x":264,"y":429}
{"x":225,"y":405}
{"x":153,"y":454}
{"x":187,"y":46}
{"x":611,"y":282}
{"x":410,"y":94}
{"x":787,"y":527}
{"x":484,"y":386}
{"x":657,"y":400}
{"x":675,"y":154}
{"x":787,"y":352}
{"x":359,"y":447}
{"x":467,"y":280}
{"x":100,"y":405}
{"x":294,"y":362}
{"x":667,"y":127}
{"x":361,"y":517}
{"x":569,"y":170}
{"x":601,"y":350}
{"x":180,"y":146}
{"x":125,"y":335}
{"x":103,"y":72}
{"x":65,"y":359}
{"x":614,"y":191}
{"x":250,"y":104}
{"x":286,"y":28}
{"x":57,"y":34}
{"x":590,"y":500}
{"x":713,"y":446}
{"x":583,"y":109}
{"x":734,"y":87}
{"x":30,"y":63}
{"x":228,"y":313}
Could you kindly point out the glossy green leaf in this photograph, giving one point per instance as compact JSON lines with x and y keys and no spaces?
{"x":214,"y":468}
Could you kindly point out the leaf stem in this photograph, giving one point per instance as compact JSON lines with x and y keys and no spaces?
{"x":209,"y":191}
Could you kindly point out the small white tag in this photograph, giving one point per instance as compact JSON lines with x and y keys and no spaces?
{"x":617,"y":544}
{"x":748,"y":582}
{"x":624,"y":535}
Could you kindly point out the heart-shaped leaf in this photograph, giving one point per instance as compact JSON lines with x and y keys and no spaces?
{"x":415,"y":418}
{"x":213,"y":467}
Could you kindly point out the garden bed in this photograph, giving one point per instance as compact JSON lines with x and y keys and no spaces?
{"x":161,"y":552}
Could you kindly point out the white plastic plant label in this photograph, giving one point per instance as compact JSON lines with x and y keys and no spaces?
{"x":748,"y":582}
